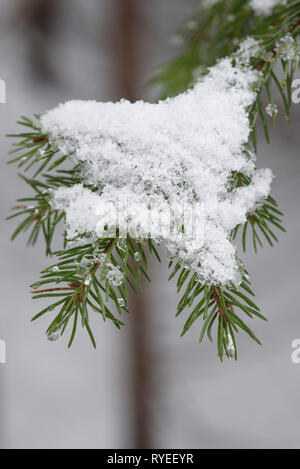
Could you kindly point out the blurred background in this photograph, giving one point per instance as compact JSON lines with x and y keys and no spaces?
{"x":143,"y":386}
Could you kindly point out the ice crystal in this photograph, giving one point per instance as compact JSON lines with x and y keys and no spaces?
{"x":114,"y":276}
{"x":272,"y":110}
{"x":137,"y":256}
{"x":121,"y":302}
{"x":53,"y":337}
{"x":230,"y":346}
{"x":88,"y":280}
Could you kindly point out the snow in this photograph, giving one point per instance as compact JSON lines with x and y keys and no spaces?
{"x":260,"y":7}
{"x":248,"y":48}
{"x":272,"y":110}
{"x":182,"y":151}
{"x":287,"y":48}
{"x":265,"y":7}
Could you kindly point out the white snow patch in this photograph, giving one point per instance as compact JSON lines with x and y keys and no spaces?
{"x":265,"y":7}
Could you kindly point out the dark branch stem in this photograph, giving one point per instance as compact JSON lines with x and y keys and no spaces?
{"x":216,"y":296}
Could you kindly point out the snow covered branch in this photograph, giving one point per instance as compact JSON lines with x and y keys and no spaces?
{"x":195,"y":149}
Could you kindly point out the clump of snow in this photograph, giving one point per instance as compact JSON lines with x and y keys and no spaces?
{"x":288,"y":48}
{"x":265,"y":7}
{"x":248,"y":49}
{"x":272,"y":110}
{"x":180,"y":151}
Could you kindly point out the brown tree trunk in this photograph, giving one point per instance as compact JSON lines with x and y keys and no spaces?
{"x":127,"y":42}
{"x":40,"y":18}
{"x":126,"y":47}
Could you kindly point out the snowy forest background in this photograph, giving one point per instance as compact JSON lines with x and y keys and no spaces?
{"x":56,"y":50}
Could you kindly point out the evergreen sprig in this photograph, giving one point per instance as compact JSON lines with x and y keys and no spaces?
{"x":85,"y":284}
{"x":76,"y":284}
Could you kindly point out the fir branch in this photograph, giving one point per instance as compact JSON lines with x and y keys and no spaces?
{"x":88,"y":290}
{"x":78,"y":283}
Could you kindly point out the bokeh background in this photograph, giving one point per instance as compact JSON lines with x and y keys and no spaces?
{"x":143,"y":386}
